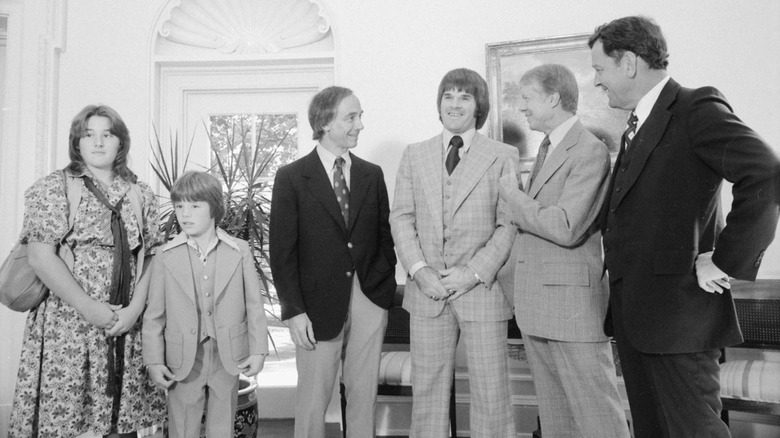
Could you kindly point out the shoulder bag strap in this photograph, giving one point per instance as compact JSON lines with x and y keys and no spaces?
{"x":137,"y":202}
{"x":73,"y":198}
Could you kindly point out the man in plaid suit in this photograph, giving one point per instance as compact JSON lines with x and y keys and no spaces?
{"x":560,"y":293}
{"x":452,"y":237}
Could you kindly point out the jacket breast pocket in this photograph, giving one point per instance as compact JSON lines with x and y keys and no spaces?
{"x":174,"y":349}
{"x":565,"y":274}
{"x":239,"y":341}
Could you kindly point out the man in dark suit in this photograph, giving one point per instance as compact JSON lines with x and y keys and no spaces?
{"x":666,"y":247}
{"x":333,"y":266}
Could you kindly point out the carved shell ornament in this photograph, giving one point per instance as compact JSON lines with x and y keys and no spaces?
{"x":245,"y":26}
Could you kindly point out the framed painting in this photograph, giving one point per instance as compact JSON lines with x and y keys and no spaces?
{"x":506,"y":63}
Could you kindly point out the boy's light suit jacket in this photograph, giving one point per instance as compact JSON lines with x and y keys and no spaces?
{"x":170,"y":328}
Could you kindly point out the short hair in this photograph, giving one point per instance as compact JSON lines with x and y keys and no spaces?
{"x":195,"y":186}
{"x":640,"y":35}
{"x":468,"y":81}
{"x":323,"y":108}
{"x":79,"y":126}
{"x":555,"y":78}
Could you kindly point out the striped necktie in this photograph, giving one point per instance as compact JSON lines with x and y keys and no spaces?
{"x":628,"y":135}
{"x":340,"y":188}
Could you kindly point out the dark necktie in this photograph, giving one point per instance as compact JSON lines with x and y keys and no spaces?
{"x":119,"y":292}
{"x":628,"y":135}
{"x":453,"y":157}
{"x":540,"y":157}
{"x":340,"y":188}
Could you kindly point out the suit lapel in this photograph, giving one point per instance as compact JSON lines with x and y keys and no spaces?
{"x":476,"y":162}
{"x":227,"y":261}
{"x":318,"y":183}
{"x":182,"y":272}
{"x":432,"y":165}
{"x":648,"y":137}
{"x":556,"y":159}
{"x":358,"y":187}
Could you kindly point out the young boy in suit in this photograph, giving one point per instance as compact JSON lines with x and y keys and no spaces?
{"x":204,"y":322}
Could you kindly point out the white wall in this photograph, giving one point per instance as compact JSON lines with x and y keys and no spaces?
{"x":393,"y":54}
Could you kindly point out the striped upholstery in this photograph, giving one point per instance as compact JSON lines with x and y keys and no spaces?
{"x":395,"y":368}
{"x":757,"y":380}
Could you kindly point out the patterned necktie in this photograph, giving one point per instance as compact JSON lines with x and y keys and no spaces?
{"x":340,"y":188}
{"x":453,"y":157}
{"x":628,"y":135}
{"x":540,"y":157}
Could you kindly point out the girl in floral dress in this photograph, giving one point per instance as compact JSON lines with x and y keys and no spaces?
{"x":81,"y":369}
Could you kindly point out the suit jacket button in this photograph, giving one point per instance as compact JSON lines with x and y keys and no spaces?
{"x":349,"y":245}
{"x":193,"y":331}
{"x":349,"y":274}
{"x":618,"y":189}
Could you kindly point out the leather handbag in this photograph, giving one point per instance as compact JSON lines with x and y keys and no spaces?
{"x":20,"y":288}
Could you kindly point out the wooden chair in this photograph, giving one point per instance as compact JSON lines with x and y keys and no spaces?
{"x":395,"y":365}
{"x":754,"y":385}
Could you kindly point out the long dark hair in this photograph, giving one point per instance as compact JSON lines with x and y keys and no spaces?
{"x":79,"y":126}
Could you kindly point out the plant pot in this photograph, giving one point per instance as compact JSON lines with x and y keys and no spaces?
{"x":245,"y":422}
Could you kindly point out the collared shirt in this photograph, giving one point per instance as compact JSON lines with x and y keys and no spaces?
{"x":646,"y":103}
{"x":183,"y":238}
{"x":557,"y":134}
{"x":328,"y":159}
{"x":468,"y":138}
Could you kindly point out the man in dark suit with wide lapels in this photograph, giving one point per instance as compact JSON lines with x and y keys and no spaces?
{"x":667,"y":250}
{"x":333,"y":266}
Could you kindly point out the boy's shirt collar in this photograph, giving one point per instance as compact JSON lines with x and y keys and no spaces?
{"x":183,"y":238}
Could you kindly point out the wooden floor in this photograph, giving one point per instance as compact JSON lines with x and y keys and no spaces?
{"x":284,"y":429}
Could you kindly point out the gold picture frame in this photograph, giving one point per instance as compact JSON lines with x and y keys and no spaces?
{"x":506,"y":63}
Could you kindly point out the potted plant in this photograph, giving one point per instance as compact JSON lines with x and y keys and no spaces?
{"x":246,"y":152}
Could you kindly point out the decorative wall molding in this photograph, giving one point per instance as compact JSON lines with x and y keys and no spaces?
{"x":246,"y":26}
{"x":50,"y":45}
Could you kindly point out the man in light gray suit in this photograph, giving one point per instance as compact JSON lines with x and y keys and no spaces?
{"x":560,"y":295}
{"x":452,"y":237}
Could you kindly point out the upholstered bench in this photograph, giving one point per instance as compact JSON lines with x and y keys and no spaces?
{"x":754,"y":385}
{"x":395,"y":368}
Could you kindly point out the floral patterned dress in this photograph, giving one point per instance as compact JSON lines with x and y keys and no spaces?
{"x":61,"y":384}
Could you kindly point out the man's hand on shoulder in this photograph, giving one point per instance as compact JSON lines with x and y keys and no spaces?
{"x":301,"y":331}
{"x":509,"y":184}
